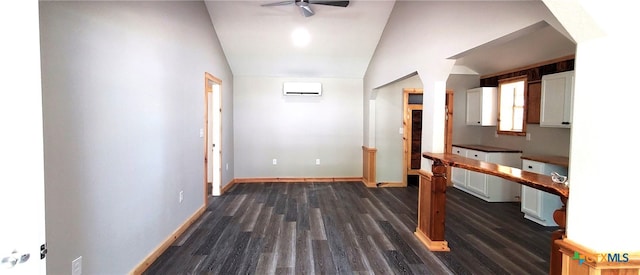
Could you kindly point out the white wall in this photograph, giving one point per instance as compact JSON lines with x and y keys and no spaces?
{"x":297,"y":130}
{"x":389,"y":145}
{"x":604,"y":191}
{"x":21,"y":142}
{"x":544,"y":140}
{"x":463,"y":134}
{"x":123,"y":91}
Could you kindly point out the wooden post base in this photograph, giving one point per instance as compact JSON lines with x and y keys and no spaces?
{"x":432,"y":245}
{"x":431,"y":208}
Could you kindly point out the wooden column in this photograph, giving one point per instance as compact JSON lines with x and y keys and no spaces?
{"x":369,"y":166}
{"x":431,"y":207}
{"x":560,"y":217}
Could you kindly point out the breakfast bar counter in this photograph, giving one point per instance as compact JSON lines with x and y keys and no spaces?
{"x":533,"y":180}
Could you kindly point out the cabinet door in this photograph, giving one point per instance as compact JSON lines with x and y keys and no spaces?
{"x":530,"y":203}
{"x":556,"y":100}
{"x":459,"y":175}
{"x":474,"y":107}
{"x":477,"y":181}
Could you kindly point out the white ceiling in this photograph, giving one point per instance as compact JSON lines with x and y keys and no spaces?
{"x":257,"y":40}
{"x":533,"y":44}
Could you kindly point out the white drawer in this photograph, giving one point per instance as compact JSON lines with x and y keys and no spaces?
{"x":533,"y":166}
{"x":477,"y":155}
{"x":459,"y":151}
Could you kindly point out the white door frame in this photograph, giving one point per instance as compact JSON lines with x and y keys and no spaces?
{"x":213,"y":135}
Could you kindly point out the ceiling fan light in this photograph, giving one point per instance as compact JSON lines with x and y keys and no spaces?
{"x":300,"y":37}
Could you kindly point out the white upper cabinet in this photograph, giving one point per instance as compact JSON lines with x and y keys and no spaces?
{"x":482,"y":106}
{"x":557,"y":100}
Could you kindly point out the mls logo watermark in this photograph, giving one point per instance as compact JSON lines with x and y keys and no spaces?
{"x":601,"y":258}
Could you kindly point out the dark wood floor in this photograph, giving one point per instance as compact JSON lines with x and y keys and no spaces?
{"x":331,"y":228}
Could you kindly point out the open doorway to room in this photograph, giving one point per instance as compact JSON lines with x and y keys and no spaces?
{"x":412,"y":135}
{"x":212,"y":136}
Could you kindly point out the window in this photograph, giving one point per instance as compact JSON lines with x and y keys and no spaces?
{"x":511,"y":97}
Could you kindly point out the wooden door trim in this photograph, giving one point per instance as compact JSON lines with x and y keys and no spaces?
{"x":406,"y":132}
{"x":448,"y":130}
{"x":208,"y":89}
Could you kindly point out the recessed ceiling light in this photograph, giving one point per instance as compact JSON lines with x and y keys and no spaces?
{"x":301,"y":37}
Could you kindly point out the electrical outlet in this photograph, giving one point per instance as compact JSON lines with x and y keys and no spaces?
{"x":201,"y":132}
{"x":76,"y":266}
{"x":528,"y":136}
{"x":317,"y":161}
{"x":181,"y":196}
{"x":226,"y":167}
{"x":275,"y":161}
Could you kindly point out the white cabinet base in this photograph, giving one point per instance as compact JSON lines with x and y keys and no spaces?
{"x":487,"y":187}
{"x":538,"y":206}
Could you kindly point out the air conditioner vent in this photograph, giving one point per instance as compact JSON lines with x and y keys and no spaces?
{"x":302,"y":88}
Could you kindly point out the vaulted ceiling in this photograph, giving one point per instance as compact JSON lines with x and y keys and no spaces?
{"x":257,"y":40}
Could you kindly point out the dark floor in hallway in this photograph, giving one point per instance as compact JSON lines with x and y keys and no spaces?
{"x":331,"y":228}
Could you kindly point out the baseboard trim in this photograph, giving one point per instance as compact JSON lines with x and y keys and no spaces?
{"x":227,"y":186}
{"x":370,"y":184}
{"x":432,"y":245}
{"x":391,"y":184}
{"x":153,"y":256}
{"x":294,"y":180}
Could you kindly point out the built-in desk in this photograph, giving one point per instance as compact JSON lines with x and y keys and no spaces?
{"x":432,"y":198}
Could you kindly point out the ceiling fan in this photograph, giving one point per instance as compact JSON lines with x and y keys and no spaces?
{"x":304,"y":5}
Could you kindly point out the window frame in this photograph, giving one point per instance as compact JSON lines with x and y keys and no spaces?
{"x":504,"y":81}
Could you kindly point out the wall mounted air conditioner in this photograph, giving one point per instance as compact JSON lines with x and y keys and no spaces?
{"x":302,"y":88}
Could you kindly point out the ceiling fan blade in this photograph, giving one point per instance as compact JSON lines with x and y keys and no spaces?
{"x":281,"y":3}
{"x":306,"y":11}
{"x":330,"y":3}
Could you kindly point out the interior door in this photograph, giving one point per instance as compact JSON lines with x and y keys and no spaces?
{"x":22,"y":231}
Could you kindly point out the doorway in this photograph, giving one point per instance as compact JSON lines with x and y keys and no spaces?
{"x":212,"y":136}
{"x":412,"y":134}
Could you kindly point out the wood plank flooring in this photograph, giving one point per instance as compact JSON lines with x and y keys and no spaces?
{"x":346,"y":228}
